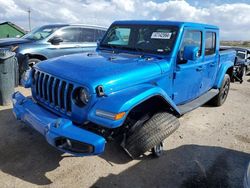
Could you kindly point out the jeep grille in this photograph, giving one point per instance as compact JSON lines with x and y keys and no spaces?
{"x":53,"y":92}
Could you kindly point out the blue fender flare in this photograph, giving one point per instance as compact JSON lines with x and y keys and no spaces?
{"x":221,"y":74}
{"x":125,"y":101}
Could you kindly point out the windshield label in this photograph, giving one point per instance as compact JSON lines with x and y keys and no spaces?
{"x":161,"y":35}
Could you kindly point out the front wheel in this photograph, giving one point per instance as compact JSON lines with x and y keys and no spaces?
{"x":150,"y":135}
{"x":219,"y":99}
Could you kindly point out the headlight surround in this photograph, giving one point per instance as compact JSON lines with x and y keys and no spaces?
{"x":81,"y":96}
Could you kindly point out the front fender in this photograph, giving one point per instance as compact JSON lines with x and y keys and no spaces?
{"x":221,"y":73}
{"x":124,"y":101}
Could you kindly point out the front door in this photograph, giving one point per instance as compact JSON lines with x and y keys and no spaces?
{"x":71,"y":42}
{"x":188,"y":74}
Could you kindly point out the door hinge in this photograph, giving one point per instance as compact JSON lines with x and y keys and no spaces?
{"x":174,"y":75}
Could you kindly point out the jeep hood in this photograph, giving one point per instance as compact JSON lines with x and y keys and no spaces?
{"x":112,"y":71}
{"x":12,"y":41}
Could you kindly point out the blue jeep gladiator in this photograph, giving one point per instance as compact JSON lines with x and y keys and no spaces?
{"x":142,"y":77}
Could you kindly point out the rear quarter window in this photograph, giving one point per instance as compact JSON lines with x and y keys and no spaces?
{"x":210,"y":43}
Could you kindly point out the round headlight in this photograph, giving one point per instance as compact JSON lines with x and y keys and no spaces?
{"x":81,"y":96}
{"x":84,"y":96}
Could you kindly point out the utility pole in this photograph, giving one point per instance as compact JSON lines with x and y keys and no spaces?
{"x":29,"y":12}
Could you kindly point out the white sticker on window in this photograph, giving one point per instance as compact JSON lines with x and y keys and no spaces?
{"x":161,"y":35}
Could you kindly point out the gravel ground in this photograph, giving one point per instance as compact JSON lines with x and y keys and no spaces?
{"x":210,"y":149}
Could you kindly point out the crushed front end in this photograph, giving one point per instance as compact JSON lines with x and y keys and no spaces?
{"x":52,"y":111}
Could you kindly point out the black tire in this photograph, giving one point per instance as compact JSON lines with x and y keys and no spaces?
{"x":151,"y":133}
{"x":219,"y":99}
{"x":33,"y":61}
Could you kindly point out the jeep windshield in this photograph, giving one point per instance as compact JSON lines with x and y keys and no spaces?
{"x":41,"y":33}
{"x":156,"y":39}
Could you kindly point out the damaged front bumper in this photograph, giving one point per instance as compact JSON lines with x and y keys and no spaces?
{"x":59,"y":132}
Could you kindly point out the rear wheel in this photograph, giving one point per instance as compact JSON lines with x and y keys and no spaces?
{"x":219,"y":99}
{"x":150,"y":135}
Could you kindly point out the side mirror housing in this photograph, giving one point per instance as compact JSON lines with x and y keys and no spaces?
{"x":190,"y":53}
{"x":55,"y":40}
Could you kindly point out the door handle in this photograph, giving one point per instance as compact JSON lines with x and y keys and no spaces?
{"x":77,"y":46}
{"x":212,"y":64}
{"x":200,"y":68}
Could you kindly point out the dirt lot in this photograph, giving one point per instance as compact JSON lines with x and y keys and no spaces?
{"x":210,"y":149}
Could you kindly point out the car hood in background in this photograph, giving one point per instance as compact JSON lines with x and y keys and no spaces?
{"x":12,"y":41}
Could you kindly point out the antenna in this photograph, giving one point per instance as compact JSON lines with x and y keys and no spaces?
{"x":29,"y":12}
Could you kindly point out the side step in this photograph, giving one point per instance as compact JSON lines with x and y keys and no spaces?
{"x":198,"y":101}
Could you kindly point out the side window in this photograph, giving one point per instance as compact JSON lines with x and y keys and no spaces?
{"x":191,"y":38}
{"x":70,"y":34}
{"x":210,"y":43}
{"x":88,"y":35}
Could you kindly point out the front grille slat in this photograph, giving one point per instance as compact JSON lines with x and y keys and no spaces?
{"x":40,"y":85}
{"x":45,"y":87}
{"x":62,"y":95}
{"x":56,"y":86}
{"x":51,"y":81}
{"x":53,"y":91}
{"x":37,"y":82}
{"x":59,"y":94}
{"x":68,"y":98}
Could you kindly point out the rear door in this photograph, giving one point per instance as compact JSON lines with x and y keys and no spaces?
{"x":188,"y":74}
{"x":210,"y":62}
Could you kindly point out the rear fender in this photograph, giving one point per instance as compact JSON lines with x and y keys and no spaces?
{"x":221,"y":73}
{"x":124,"y":101}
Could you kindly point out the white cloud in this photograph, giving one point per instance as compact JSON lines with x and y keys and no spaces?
{"x":233,"y":19}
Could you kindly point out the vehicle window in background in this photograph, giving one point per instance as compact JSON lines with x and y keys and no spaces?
{"x":70,"y":34}
{"x":88,"y":35}
{"x":99,"y":34}
{"x":191,"y":38}
{"x":40,"y":33}
{"x":210,"y":43}
{"x":142,"y":38}
{"x":241,"y":54}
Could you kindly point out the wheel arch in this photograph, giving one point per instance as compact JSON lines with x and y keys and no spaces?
{"x":36,"y":56}
{"x":158,"y":102}
{"x":129,"y":100}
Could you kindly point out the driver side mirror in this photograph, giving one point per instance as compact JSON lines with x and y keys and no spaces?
{"x":190,"y":53}
{"x":55,"y":40}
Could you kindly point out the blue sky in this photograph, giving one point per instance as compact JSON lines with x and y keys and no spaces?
{"x":232,"y":16}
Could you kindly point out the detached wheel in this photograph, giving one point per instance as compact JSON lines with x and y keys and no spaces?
{"x":151,"y":134}
{"x":219,"y":99}
{"x":157,"y":150}
{"x":33,"y":61}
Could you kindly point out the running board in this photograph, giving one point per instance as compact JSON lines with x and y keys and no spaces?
{"x":198,"y":101}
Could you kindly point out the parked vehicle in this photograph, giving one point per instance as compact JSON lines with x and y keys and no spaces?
{"x":55,"y":40}
{"x":241,"y":64}
{"x":143,"y":76}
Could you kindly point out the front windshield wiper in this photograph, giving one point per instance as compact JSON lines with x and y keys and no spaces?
{"x":113,"y":48}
